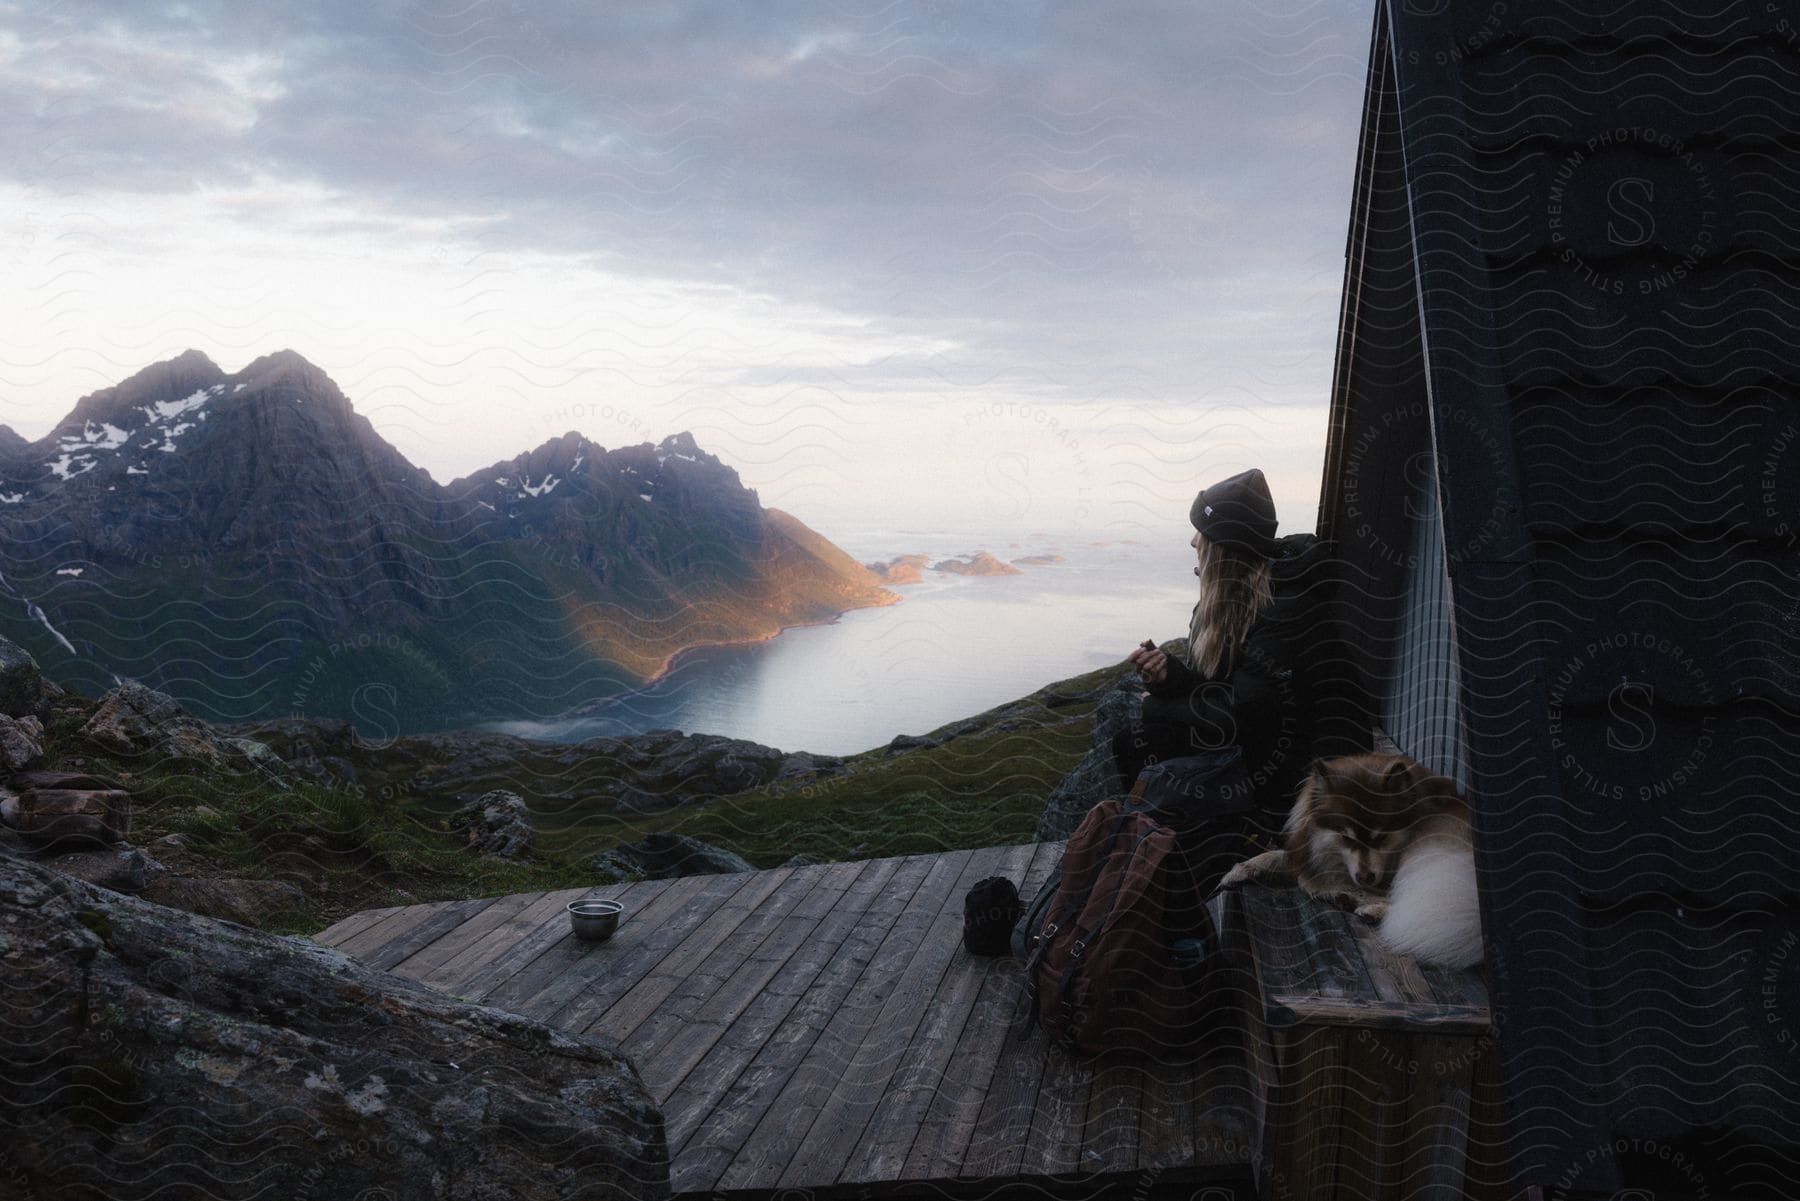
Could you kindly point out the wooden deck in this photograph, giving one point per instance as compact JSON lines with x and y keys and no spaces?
{"x":822,"y":1027}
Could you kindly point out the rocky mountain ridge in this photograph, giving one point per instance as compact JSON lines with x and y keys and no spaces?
{"x":251,"y":545}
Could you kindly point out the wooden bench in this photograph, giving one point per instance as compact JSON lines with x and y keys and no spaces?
{"x":1370,"y":1075}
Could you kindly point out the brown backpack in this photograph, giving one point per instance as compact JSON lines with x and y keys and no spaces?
{"x":1116,"y":945}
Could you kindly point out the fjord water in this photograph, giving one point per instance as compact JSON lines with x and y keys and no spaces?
{"x":955,"y":646}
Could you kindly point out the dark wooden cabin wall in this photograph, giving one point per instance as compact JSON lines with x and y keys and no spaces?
{"x":1607,"y":219}
{"x":1379,"y":503}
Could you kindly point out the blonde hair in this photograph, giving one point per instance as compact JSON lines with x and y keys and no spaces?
{"x":1234,"y":590}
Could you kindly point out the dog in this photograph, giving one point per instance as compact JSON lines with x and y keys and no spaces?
{"x":1388,"y":839}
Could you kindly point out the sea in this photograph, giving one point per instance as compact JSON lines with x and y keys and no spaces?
{"x":954,"y":646}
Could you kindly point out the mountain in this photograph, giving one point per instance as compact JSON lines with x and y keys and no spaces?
{"x":251,"y":545}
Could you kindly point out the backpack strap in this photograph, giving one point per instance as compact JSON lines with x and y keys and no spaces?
{"x":1040,"y":939}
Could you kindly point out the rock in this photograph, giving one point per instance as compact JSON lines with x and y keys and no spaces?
{"x":72,"y":818}
{"x":805,"y":859}
{"x":801,"y":767}
{"x":65,"y":779}
{"x":247,"y":902}
{"x":135,"y":720}
{"x":1096,"y":777}
{"x":312,"y":748}
{"x":664,"y":856}
{"x":1015,"y":715}
{"x":172,"y":842}
{"x":903,"y":569}
{"x":631,"y":799}
{"x":734,"y":772}
{"x":125,"y":870}
{"x":701,"y":766}
{"x":18,"y":749}
{"x":980,"y":563}
{"x":175,"y":1056}
{"x":21,"y":683}
{"x":9,"y":809}
{"x":498,"y":824}
{"x":256,"y":754}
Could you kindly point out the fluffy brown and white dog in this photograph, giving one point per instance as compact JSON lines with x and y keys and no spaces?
{"x":1387,"y":838}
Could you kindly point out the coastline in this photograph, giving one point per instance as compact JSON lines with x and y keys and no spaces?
{"x":674,"y":657}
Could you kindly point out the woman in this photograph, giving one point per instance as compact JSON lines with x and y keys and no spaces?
{"x":1268,"y":670}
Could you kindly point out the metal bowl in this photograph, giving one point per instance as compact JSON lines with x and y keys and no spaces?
{"x":594,"y":921}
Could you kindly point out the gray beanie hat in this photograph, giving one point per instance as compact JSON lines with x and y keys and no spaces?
{"x":1237,"y":512}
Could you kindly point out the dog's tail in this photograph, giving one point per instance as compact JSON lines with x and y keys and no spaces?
{"x":1433,"y":912}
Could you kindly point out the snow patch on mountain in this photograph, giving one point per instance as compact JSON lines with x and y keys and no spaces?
{"x":162,"y":410}
{"x":37,"y":612}
{"x":68,"y":466}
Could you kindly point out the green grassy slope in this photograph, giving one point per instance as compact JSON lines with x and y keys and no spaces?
{"x":383,"y":845}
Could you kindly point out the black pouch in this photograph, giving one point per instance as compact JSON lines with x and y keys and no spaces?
{"x":1194,"y":789}
{"x":990,"y":910}
{"x":1207,"y":800}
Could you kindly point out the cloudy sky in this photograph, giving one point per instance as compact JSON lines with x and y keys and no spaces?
{"x":930,"y":264}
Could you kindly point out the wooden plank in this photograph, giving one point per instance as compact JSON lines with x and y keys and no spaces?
{"x":1261,"y":1092}
{"x":1109,"y":1134}
{"x":397,"y":922}
{"x":678,"y":1038}
{"x":565,"y":966}
{"x":435,"y":926}
{"x":522,"y":957}
{"x":482,"y":959}
{"x":777,"y":1032}
{"x":342,"y":929}
{"x":1437,"y":1122}
{"x":1053,"y":1147}
{"x":997,"y":1144}
{"x":826,"y":1071}
{"x":1386,"y":1015}
{"x":1395,"y":978}
{"x":1453,"y":986}
{"x":603,"y":972}
{"x":1222,"y":1099}
{"x":941,"y":1145}
{"x":627,"y":1012}
{"x":1370,"y":1120}
{"x":1167,"y":1120}
{"x":1312,"y":1094}
{"x":867,"y":1127}
{"x":1331,"y":949}
{"x":1276,"y":946}
{"x":744,"y":1058}
{"x":421,"y":963}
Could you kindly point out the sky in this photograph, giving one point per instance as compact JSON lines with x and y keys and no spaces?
{"x":929,"y":264}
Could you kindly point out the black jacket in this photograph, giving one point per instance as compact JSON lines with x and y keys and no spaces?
{"x":1291,"y":694}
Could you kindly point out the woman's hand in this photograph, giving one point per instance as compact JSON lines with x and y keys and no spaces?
{"x":1151,"y":663}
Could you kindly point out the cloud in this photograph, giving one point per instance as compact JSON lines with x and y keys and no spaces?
{"x":1073,"y":202}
